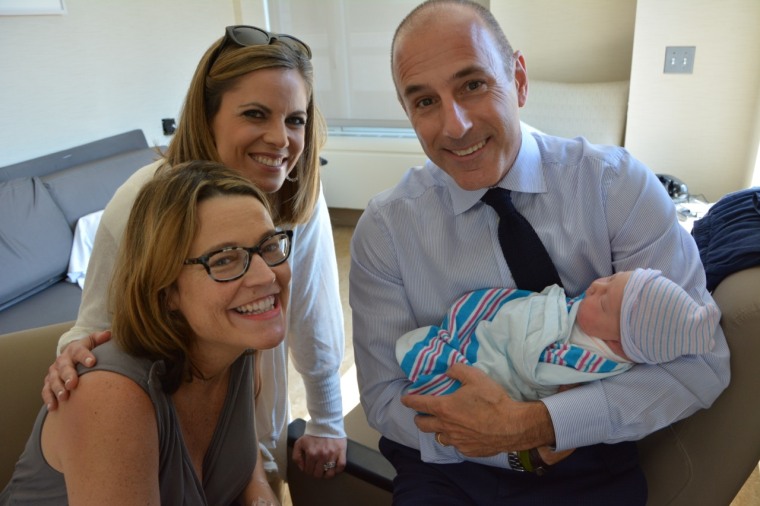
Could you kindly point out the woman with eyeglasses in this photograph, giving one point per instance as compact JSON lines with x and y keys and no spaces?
{"x":250,"y":106}
{"x":200,"y":285}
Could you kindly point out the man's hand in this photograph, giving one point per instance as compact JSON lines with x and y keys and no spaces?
{"x":320,"y":457}
{"x":62,"y":374}
{"x":480,"y":419}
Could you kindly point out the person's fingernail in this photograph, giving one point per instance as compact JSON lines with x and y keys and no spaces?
{"x":88,"y":361}
{"x":48,"y":406}
{"x":66,"y":383}
{"x":59,"y":394}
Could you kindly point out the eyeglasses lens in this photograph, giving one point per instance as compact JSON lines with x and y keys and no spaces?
{"x":250,"y":36}
{"x":228,"y":264}
{"x":275,"y":249}
{"x":232,"y":263}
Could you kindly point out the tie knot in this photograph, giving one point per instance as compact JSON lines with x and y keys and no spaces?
{"x":527,"y":258}
{"x":500,"y":199}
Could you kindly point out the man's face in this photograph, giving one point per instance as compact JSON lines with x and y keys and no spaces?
{"x":454,"y":86}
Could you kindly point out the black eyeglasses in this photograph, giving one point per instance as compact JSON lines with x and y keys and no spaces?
{"x":246,"y":35}
{"x":229,"y":264}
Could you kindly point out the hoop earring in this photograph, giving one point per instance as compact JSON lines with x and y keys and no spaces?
{"x":291,"y":179}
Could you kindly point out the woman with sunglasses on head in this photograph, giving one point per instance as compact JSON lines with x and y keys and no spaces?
{"x":250,"y":106}
{"x":200,"y":285}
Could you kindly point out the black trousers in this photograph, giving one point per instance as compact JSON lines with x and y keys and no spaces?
{"x":593,"y":475}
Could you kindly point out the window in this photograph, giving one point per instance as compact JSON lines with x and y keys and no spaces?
{"x":31,"y":7}
{"x":350,"y":41}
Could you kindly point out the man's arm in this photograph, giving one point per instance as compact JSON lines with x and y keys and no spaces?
{"x":381,"y":314}
{"x":644,"y":232}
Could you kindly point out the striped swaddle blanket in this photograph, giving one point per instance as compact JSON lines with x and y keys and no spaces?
{"x":521,"y":339}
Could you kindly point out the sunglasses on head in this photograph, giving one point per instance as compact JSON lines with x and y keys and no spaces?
{"x":246,"y":35}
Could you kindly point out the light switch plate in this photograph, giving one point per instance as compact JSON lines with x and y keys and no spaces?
{"x":679,"y":59}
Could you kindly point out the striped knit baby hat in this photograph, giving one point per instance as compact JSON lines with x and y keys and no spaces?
{"x":660,"y":321}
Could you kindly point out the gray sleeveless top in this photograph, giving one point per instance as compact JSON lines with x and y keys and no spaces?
{"x":227,"y":466}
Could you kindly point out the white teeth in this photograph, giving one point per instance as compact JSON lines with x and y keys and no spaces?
{"x":260,"y":306}
{"x":272,"y":162}
{"x":469,"y":150}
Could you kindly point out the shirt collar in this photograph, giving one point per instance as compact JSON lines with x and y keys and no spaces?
{"x":525,"y":176}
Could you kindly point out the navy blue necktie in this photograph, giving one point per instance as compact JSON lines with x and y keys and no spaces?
{"x":531,"y":266}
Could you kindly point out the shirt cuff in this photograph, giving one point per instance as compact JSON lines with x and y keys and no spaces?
{"x":434,"y":453}
{"x":325,"y":405}
{"x":579,"y":415}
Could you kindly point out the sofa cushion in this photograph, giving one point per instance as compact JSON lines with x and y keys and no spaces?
{"x":87,"y":188}
{"x":35,"y":240}
{"x":596,"y":111}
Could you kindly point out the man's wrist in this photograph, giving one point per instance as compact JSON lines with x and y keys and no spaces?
{"x":539,"y":428}
{"x":528,"y":461}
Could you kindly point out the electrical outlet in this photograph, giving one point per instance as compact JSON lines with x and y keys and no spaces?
{"x":168,"y":125}
{"x":679,"y":59}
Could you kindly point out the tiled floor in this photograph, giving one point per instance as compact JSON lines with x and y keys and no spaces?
{"x":748,"y":496}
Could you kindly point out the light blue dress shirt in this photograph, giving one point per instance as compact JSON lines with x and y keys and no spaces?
{"x":598,"y":210}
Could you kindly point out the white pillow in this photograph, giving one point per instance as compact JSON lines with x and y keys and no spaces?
{"x":81,"y":249}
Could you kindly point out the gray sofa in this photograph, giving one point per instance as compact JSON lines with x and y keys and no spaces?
{"x":40,"y":202}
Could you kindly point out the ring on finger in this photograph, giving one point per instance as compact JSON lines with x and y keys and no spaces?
{"x":438,"y":439}
{"x":329,"y":465}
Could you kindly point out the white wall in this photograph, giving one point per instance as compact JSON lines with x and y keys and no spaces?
{"x":754,"y":159}
{"x":701,"y":127}
{"x":103,"y":68}
{"x":573,"y":41}
{"x":110,"y":66}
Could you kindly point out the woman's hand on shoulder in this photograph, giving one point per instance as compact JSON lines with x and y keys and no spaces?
{"x":62,"y":374}
{"x":320,"y":457}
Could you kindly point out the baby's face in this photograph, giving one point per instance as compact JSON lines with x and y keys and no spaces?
{"x":599,"y":312}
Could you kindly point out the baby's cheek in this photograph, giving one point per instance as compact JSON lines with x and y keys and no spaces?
{"x":583,"y":318}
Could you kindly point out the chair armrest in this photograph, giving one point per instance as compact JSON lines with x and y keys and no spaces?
{"x":706,"y":458}
{"x":24,"y":360}
{"x":368,"y":477}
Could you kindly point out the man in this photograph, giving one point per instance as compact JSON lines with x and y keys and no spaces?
{"x":429,"y":240}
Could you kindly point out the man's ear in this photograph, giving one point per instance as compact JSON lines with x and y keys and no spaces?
{"x":520,"y":76}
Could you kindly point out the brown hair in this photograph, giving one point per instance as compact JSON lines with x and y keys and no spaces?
{"x":158,"y":236}
{"x":218,"y":71}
